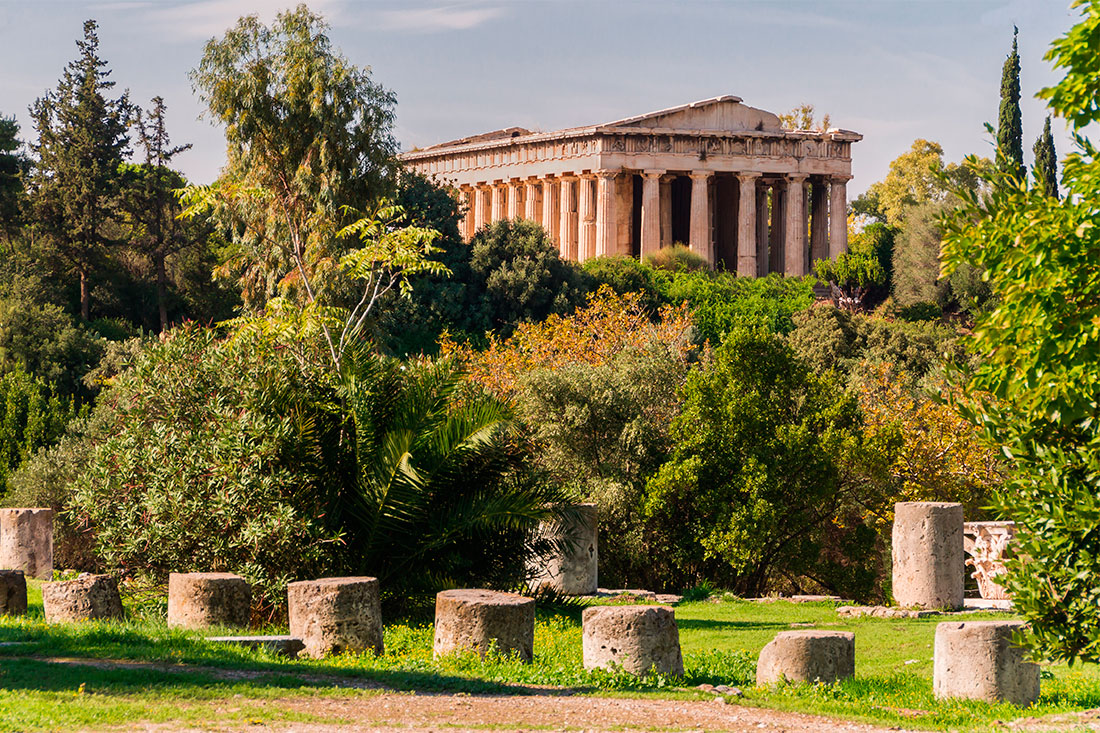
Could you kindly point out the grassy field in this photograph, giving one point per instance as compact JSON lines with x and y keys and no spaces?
{"x":197,"y":682}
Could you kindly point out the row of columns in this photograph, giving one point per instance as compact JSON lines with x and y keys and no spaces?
{"x":579,"y":213}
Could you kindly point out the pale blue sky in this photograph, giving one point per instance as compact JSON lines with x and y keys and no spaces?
{"x":894,"y":70}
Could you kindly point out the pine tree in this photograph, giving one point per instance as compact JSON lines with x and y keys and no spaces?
{"x":1046,"y":162}
{"x":147,"y":197}
{"x":1010,"y":134}
{"x":12,"y":168}
{"x":81,"y":143}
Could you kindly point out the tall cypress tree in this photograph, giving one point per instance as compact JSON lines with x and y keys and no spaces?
{"x":12,"y":168}
{"x":1010,"y":133}
{"x":81,"y":142}
{"x":1046,"y":162}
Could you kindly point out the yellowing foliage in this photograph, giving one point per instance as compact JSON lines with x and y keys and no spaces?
{"x":938,"y":456}
{"x":607,"y":325}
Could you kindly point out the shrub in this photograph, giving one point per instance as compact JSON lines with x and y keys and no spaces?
{"x":32,"y":416}
{"x":626,"y":275}
{"x":602,"y":430}
{"x":721,"y":302}
{"x":918,"y":312}
{"x":756,"y":488}
{"x":677,"y":258}
{"x":852,"y":278}
{"x":213,"y":458}
{"x":42,"y":340}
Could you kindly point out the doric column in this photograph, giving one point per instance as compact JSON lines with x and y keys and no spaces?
{"x":699,"y":233}
{"x":567,"y":220}
{"x":746,"y":224}
{"x":762,"y":268}
{"x":481,"y":206}
{"x":470,"y":199}
{"x":795,"y":246}
{"x":651,"y":212}
{"x":550,"y":218}
{"x":838,"y":216}
{"x":531,"y":200}
{"x":819,"y":220}
{"x":606,"y":229}
{"x":500,"y":197}
{"x":586,"y":213}
{"x":514,"y":187}
{"x":777,"y":235}
{"x":666,"y":211}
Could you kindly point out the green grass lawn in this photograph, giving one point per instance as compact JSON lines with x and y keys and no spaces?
{"x":720,"y":642}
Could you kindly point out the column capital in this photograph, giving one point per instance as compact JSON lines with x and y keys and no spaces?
{"x":839,"y":179}
{"x":607,"y":173}
{"x":654,"y":173}
{"x":797,"y":177}
{"x":748,"y":175}
{"x":700,"y":175}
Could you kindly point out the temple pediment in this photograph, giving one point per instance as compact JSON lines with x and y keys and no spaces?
{"x":720,"y":114}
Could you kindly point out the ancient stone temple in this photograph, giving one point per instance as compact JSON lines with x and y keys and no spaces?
{"x":719,"y":176}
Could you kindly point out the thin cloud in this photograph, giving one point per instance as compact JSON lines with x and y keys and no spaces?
{"x":209,"y":18}
{"x":434,"y":20}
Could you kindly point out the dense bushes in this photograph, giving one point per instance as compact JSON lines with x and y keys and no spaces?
{"x":755,"y":489}
{"x":31,"y":416}
{"x":722,"y":302}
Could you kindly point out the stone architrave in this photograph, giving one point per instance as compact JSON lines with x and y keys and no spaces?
{"x":635,"y":638}
{"x":87,"y":598}
{"x":13,"y":593}
{"x":699,"y":230}
{"x":26,"y":541}
{"x":978,"y":660}
{"x":574,"y":570}
{"x":201,"y":600}
{"x":651,"y":212}
{"x":928,"y":562}
{"x":477,"y":620}
{"x":807,"y":655}
{"x":794,"y":248}
{"x":334,"y":615}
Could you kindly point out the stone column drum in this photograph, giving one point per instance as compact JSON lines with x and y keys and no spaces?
{"x":636,"y":638}
{"x":977,"y":660}
{"x":26,"y":541}
{"x":333,"y":615}
{"x":200,"y":600}
{"x":928,"y":560}
{"x":574,"y":571}
{"x":473,"y":619}
{"x":13,"y":593}
{"x":807,"y":656}
{"x":88,"y":598}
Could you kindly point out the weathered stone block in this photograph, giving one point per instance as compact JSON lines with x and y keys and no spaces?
{"x":26,"y":541}
{"x":977,"y":660}
{"x":287,"y":646}
{"x":86,"y":598}
{"x":636,"y":638}
{"x":807,"y":656}
{"x":475,"y":619}
{"x":13,"y":593}
{"x":334,"y":615}
{"x":574,"y":570}
{"x":929,"y":566}
{"x":201,"y":600}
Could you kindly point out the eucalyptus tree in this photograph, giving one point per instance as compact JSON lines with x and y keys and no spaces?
{"x":81,"y":141}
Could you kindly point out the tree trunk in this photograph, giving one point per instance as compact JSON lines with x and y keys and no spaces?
{"x":162,"y":295}
{"x":85,"y":296}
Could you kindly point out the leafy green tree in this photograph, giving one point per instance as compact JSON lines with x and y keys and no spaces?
{"x":802,"y":118}
{"x":919,"y":177}
{"x":721,"y":302}
{"x":13,"y":166}
{"x":851,"y":278}
{"x":627,"y":275}
{"x":81,"y":140}
{"x":309,"y":149}
{"x":1010,"y":133}
{"x":603,"y":431}
{"x":517,"y":275}
{"x":156,"y":229}
{"x":1036,"y":387}
{"x":1046,"y":162}
{"x":917,"y":256}
{"x":32,"y":416}
{"x":756,"y":485}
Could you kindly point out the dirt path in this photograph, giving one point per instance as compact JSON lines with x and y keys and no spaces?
{"x":418,"y":713}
